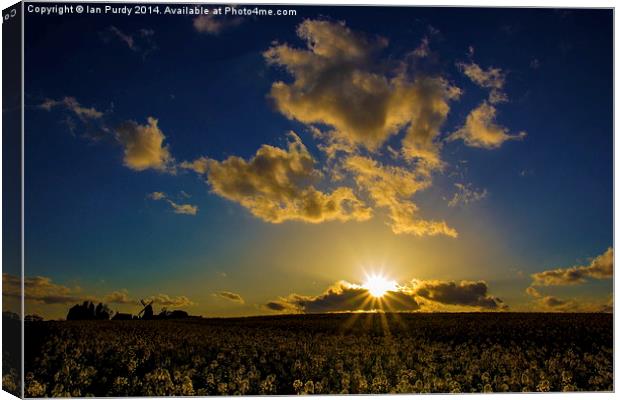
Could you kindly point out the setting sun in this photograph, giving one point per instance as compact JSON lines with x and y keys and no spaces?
{"x":378,"y":285}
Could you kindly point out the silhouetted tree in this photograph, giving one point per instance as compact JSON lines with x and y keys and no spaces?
{"x":88,"y":311}
{"x":10,"y":315}
{"x":102,"y":312}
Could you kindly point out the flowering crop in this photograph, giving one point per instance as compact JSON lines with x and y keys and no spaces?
{"x":320,"y":354}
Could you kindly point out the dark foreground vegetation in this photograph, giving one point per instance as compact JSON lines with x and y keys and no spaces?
{"x":344,"y":353}
{"x":11,"y":353}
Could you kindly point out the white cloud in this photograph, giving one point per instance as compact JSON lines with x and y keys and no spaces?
{"x":140,"y":41}
{"x":72,"y":105}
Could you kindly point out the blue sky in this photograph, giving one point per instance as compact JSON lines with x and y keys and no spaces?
{"x":532,"y":204}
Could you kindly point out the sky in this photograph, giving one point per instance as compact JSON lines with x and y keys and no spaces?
{"x":245,"y":165}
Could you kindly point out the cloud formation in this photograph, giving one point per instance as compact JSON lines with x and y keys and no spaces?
{"x":42,"y":290}
{"x":391,"y":187}
{"x":127,"y":39}
{"x":235,"y":297}
{"x":186,"y":209}
{"x":555,"y":304}
{"x":464,"y":293}
{"x":72,"y":105}
{"x":119,"y":297}
{"x":481,"y":130}
{"x":344,"y":296}
{"x":277,"y":185}
{"x":601,"y":267}
{"x":423,"y":50}
{"x":338,"y":82}
{"x":143,"y":146}
{"x":39,"y":289}
{"x":466,"y":194}
{"x":491,"y":78}
{"x":212,"y":25}
{"x":552,"y":302}
{"x":165,"y":300}
{"x":420,"y":295}
{"x":353,"y":102}
{"x":141,"y":41}
{"x":281,"y":306}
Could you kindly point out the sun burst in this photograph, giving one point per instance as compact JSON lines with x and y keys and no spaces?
{"x":378,"y":285}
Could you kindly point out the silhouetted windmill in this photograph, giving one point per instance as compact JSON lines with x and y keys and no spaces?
{"x":147,"y":311}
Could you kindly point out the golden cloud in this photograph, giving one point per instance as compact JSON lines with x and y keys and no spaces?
{"x":601,"y":267}
{"x":424,"y":295}
{"x":491,"y":78}
{"x":42,"y":290}
{"x":391,"y":187}
{"x":171,"y":301}
{"x":235,"y":297}
{"x":157,"y":196}
{"x":144,"y":146}
{"x":39,"y":289}
{"x":338,"y":83}
{"x":481,"y":130}
{"x":119,"y":297}
{"x":429,"y":99}
{"x":187,"y":209}
{"x":344,"y":296}
{"x":277,"y":185}
{"x":532,"y":291}
{"x":555,"y":304}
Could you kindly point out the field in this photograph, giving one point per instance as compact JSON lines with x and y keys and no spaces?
{"x":338,"y":353}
